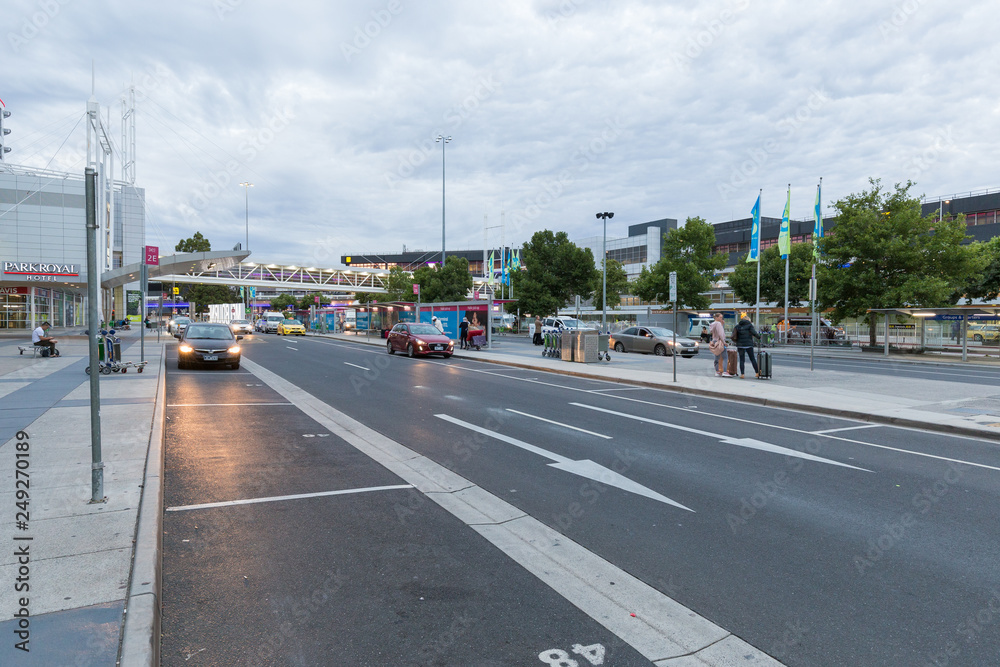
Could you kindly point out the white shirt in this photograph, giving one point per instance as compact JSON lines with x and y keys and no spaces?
{"x":37,"y":334}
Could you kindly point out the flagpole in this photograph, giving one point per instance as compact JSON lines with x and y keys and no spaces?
{"x":756,"y":316}
{"x":813,"y":290}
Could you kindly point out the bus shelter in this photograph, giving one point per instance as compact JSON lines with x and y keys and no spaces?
{"x":960,"y":315}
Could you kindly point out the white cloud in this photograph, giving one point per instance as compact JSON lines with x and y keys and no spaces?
{"x":557,"y":109}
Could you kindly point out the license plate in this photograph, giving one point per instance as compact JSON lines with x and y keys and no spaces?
{"x":437,"y":347}
{"x":210,"y":357}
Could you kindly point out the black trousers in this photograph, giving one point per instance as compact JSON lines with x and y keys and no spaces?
{"x":49,"y":344}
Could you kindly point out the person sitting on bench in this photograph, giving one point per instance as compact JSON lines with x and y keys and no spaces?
{"x":39,"y":339}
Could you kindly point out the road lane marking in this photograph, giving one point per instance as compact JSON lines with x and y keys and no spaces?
{"x":749,"y":443}
{"x":597,"y":391}
{"x":347,"y":363}
{"x":298,"y":496}
{"x":845,"y":428}
{"x":575,"y":428}
{"x":585,"y":468}
{"x":572,"y":571}
{"x":292,"y":348}
{"x":217,"y":405}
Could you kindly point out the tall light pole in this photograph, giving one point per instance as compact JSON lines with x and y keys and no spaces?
{"x":246,"y":201}
{"x":444,"y":140}
{"x":604,"y":271}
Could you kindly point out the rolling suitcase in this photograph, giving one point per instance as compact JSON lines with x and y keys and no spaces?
{"x":764,"y":363}
{"x":731,"y":365}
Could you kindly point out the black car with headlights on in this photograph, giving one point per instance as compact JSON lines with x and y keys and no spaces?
{"x":208,"y":343}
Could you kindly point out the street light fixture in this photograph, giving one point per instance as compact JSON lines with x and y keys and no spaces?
{"x":443,"y":140}
{"x":604,"y":271}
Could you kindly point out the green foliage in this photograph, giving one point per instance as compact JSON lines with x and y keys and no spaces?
{"x":688,"y":250}
{"x":451,"y":282}
{"x":309,"y":300}
{"x":553,"y":270}
{"x":743,"y":279}
{"x":196,"y":243}
{"x":618,"y":284}
{"x":399,"y":285}
{"x":882,"y":254}
{"x":986,"y":285}
{"x":203,"y":295}
{"x":284,"y":302}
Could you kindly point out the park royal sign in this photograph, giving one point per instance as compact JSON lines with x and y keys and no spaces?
{"x":41,"y":271}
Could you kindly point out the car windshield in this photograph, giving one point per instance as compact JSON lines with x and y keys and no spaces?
{"x":202,"y":332}
{"x":572,"y":323}
{"x":424,"y":329}
{"x":289,"y":323}
{"x":240,"y":322}
{"x":660,"y":332}
{"x":182,"y":320}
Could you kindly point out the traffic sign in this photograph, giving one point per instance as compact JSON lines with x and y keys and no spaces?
{"x":673,"y":287}
{"x":153,"y":255}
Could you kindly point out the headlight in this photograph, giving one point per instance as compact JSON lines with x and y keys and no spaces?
{"x":185,"y":349}
{"x":235,"y":349}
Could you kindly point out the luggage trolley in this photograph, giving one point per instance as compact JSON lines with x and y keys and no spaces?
{"x":551,"y":344}
{"x":109,"y":354}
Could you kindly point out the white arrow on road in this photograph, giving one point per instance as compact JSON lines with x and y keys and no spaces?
{"x":585,"y":468}
{"x":729,"y":440}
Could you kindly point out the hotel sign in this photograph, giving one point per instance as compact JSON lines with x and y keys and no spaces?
{"x":41,"y":271}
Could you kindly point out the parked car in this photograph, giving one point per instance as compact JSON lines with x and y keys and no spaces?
{"x":291,"y":328}
{"x":176,"y":326}
{"x":827,"y":332}
{"x":652,"y":340}
{"x":208,"y":343}
{"x":241,"y":327}
{"x":553,"y":324}
{"x":418,"y":339}
{"x":989,"y":333}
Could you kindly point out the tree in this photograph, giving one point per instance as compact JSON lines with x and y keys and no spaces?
{"x":399,"y":285}
{"x":196,"y":243}
{"x":618,"y":284}
{"x":283,"y":302}
{"x":309,"y":300}
{"x":553,"y":270}
{"x":203,"y":295}
{"x":883,"y":254}
{"x":743,"y":279}
{"x":450,"y":282}
{"x":688,"y":250}
{"x":987,"y":284}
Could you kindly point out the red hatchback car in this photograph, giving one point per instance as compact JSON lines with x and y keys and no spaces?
{"x":419,"y":339}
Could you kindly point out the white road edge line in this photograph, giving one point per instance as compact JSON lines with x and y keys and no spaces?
{"x":298,"y":496}
{"x":846,"y":428}
{"x":543,"y":419}
{"x":217,"y":405}
{"x":661,"y":630}
{"x":347,"y":363}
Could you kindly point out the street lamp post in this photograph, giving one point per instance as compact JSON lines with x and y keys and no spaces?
{"x":246,"y":201}
{"x":604,"y":271}
{"x":444,"y":140}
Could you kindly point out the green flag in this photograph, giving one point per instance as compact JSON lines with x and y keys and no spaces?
{"x":784,"y":241}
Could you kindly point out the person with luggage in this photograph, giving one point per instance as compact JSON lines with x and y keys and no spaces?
{"x":463,"y":333}
{"x":47,"y":343}
{"x":743,"y":337}
{"x":718,"y":346}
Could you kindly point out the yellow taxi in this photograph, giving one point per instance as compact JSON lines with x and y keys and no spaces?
{"x":291,"y":328}
{"x":983,"y":333}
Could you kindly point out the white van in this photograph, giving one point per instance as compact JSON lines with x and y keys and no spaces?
{"x":271,"y":322}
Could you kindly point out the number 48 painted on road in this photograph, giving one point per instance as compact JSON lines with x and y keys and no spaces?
{"x":594,"y":654}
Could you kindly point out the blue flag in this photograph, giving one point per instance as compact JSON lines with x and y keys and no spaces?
{"x":818,"y":229}
{"x":755,"y":232}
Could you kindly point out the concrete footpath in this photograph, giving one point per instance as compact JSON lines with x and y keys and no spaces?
{"x":92,"y":570}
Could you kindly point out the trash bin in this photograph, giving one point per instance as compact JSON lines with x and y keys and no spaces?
{"x":567,"y":343}
{"x":585,"y":346}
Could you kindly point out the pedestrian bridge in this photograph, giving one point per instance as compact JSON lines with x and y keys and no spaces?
{"x":231,"y":268}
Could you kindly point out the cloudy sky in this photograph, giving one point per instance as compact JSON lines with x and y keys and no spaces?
{"x":557,"y":109}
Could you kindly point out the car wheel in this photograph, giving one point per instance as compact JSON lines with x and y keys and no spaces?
{"x":660,"y":351}
{"x":619,"y":348}
{"x":388,"y":347}
{"x":235,"y":366}
{"x":977,"y":338}
{"x":409,"y":349}
{"x":446,"y":356}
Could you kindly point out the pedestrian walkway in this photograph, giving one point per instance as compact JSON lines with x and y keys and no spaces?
{"x":75,"y":557}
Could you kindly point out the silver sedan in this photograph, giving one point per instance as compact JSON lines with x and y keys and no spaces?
{"x":652,"y":340}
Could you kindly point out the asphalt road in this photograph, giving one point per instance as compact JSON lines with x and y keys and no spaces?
{"x":819,"y":540}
